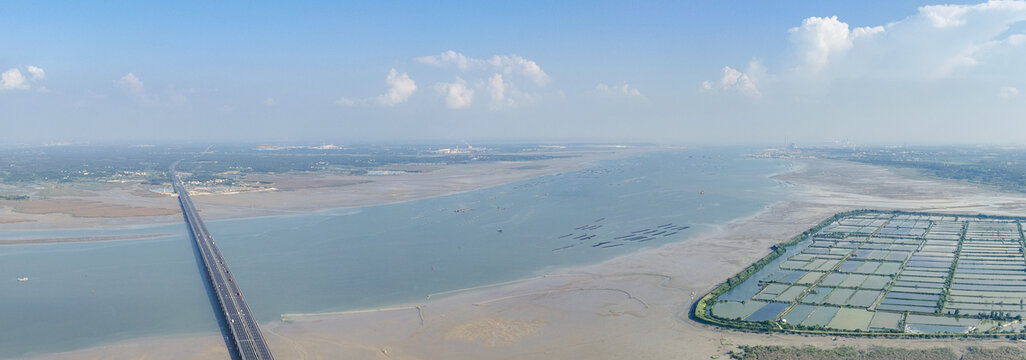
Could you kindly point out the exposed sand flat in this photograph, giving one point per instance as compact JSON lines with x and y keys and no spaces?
{"x":85,"y":208}
{"x":12,"y":220}
{"x":307,"y":192}
{"x":93,"y":204}
{"x":159,"y":348}
{"x":630,"y":307}
{"x":856,"y":185}
{"x":78,"y":239}
{"x":99,"y":204}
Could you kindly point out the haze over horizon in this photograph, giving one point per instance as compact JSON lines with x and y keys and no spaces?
{"x":914,"y":72}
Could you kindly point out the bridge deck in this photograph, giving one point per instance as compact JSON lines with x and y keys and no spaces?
{"x":244,"y":329}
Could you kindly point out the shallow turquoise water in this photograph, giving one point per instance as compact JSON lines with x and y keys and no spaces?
{"x":90,"y":293}
{"x":371,"y":256}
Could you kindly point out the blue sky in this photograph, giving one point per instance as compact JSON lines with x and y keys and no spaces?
{"x":674,"y":72}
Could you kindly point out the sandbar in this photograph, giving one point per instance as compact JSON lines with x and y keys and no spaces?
{"x":84,"y":205}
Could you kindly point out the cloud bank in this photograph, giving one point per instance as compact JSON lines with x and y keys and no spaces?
{"x":504,"y":64}
{"x":131,"y":84}
{"x":508,"y":80}
{"x":820,"y":38}
{"x":13,"y":79}
{"x":457,"y":94}
{"x":732,"y":80}
{"x":938,"y":42}
{"x":400,"y":87}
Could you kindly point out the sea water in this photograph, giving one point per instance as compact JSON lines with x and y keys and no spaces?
{"x":85,"y":294}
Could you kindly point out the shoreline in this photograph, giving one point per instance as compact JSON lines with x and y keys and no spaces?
{"x":419,"y":306}
{"x":550,"y":170}
{"x":232,"y":206}
{"x":564,"y":270}
{"x":585,"y":161}
{"x":789,"y":217}
{"x":569,"y":311}
{"x":68,"y":240}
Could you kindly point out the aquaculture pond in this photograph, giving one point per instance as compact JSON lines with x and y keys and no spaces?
{"x":874,"y":271}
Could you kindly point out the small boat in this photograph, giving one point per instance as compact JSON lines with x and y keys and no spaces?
{"x":23,"y":279}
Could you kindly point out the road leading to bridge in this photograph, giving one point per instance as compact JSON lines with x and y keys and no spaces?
{"x":245,"y":332}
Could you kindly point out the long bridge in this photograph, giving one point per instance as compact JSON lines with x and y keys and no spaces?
{"x":244,"y":331}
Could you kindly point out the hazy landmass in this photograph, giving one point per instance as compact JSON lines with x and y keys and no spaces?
{"x":60,"y":187}
{"x":1001,"y":167}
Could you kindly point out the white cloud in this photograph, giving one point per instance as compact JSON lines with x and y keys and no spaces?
{"x":820,"y":38}
{"x":737,"y":81}
{"x":1008,"y":92}
{"x":946,"y":16}
{"x":37,"y":73}
{"x":13,"y":80}
{"x":511,"y":64}
{"x":956,"y":61}
{"x":617,"y":90}
{"x":131,"y":84}
{"x":499,"y":89}
{"x":135,"y":87}
{"x":505,"y":64}
{"x":401,"y":86}
{"x":270,"y":101}
{"x":963,"y":38}
{"x":457,"y":94}
{"x":508,"y":80}
{"x":1016,"y":39}
{"x":937,"y":43}
{"x":447,"y":58}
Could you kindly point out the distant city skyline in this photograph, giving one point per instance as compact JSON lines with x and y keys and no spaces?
{"x":868,"y":72}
